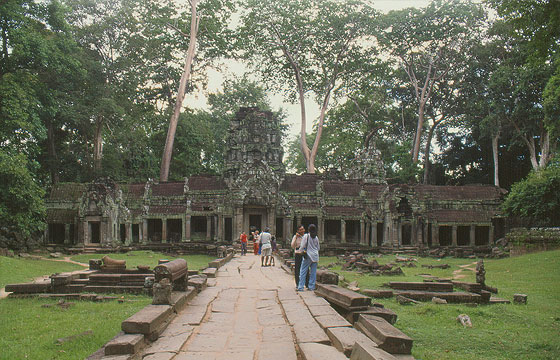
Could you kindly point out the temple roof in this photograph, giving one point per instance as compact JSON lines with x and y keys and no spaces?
{"x":343,"y":210}
{"x":300,"y":183}
{"x":466,"y":192}
{"x":65,"y":216}
{"x":67,"y":191}
{"x":463,"y":216}
{"x":206,"y":182}
{"x":168,"y":189}
{"x":342,"y":188}
{"x":167,"y":209}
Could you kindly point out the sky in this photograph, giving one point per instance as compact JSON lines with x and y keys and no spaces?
{"x":215,"y":79}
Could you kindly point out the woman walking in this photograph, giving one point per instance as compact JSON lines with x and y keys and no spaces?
{"x":310,"y":246}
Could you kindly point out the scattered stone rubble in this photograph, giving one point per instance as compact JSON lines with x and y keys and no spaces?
{"x":359,"y":262}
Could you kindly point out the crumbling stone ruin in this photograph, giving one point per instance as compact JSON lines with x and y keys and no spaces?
{"x":362,"y":213}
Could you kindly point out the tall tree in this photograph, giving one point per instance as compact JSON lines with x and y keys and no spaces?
{"x":307,"y":47}
{"x":429,"y":43}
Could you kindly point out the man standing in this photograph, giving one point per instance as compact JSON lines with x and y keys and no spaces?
{"x":266,"y":249}
{"x":243,"y":239}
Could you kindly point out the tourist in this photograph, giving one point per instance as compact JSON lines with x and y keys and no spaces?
{"x":266,"y":247}
{"x":310,"y":247}
{"x":243,"y":239}
{"x":298,"y":253}
{"x":256,"y":242}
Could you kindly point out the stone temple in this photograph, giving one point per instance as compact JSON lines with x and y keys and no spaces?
{"x":362,"y":213}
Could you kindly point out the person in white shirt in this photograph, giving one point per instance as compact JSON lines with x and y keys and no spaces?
{"x":310,"y":246}
{"x":266,"y":248}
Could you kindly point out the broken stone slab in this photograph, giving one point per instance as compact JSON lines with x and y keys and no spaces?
{"x":437,"y":300}
{"x":210,"y":272}
{"x":40,"y":286}
{"x":310,"y":332}
{"x":310,"y":299}
{"x":327,"y":277}
{"x":403,"y":300}
{"x":162,"y":292}
{"x":496,"y":300}
{"x":198,"y":281}
{"x":180,"y":299}
{"x":322,"y":310}
{"x":284,"y":350}
{"x":148,"y":320}
{"x":450,"y":297}
{"x":311,"y":351}
{"x":378,"y":294}
{"x":192,"y":315}
{"x":125,"y":344}
{"x":171,"y":344}
{"x":334,"y":320}
{"x":347,"y":299}
{"x":424,"y":286}
{"x":369,"y":351}
{"x":385,"y":335}
{"x":520,"y":299}
{"x":343,"y":338}
{"x":387,"y":314}
{"x":468,"y":286}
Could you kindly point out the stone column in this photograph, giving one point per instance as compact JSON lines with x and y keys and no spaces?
{"x":288,"y":225}
{"x":188,"y":228}
{"x":67,"y":234}
{"x":321,"y":225}
{"x":128,"y":233}
{"x":183,"y":228}
{"x":491,"y":235}
{"x":271,"y":217}
{"x":145,"y":231}
{"x":472,"y":238}
{"x":237,"y":222}
{"x":163,"y":230}
{"x":373,"y":234}
{"x":454,"y":235}
{"x":362,"y":232}
{"x":208,"y":226}
{"x":342,"y":231}
{"x":220,"y":232}
{"x":435,"y":234}
{"x":298,"y":220}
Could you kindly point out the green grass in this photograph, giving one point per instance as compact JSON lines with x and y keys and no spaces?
{"x":150,"y":258}
{"x":30,"y":331}
{"x":529,"y":331}
{"x":18,"y":270}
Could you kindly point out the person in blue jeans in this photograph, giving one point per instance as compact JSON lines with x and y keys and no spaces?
{"x":310,"y":244}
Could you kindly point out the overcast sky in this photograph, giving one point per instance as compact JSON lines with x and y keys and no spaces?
{"x":215,"y":78}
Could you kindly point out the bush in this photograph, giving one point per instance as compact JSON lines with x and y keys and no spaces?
{"x":537,"y":198}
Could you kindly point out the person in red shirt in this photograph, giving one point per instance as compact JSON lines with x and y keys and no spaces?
{"x":243,"y":239}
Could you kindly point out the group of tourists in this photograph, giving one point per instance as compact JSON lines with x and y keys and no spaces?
{"x":263,"y":244}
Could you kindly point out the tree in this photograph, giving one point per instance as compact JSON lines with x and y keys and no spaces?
{"x":307,"y":47}
{"x":429,"y":44}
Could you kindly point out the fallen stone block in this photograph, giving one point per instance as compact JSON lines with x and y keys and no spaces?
{"x":148,"y":320}
{"x":385,"y":335}
{"x":384,"y":313}
{"x":378,"y":294}
{"x":468,"y":286}
{"x":328,"y":321}
{"x":125,"y":344}
{"x":312,"y":351}
{"x":199,"y":282}
{"x":520,"y":299}
{"x":424,"y":286}
{"x":437,"y":300}
{"x":347,"y":299}
{"x":41,"y":286}
{"x":369,"y":351}
{"x":450,"y":297}
{"x":496,"y":300}
{"x":343,"y":338}
{"x":327,"y":277}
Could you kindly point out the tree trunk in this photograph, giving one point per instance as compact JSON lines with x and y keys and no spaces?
{"x":427,"y":150}
{"x":53,"y":160}
{"x":303,"y":139}
{"x":311,"y":167}
{"x":545,"y":150}
{"x":418,"y":135}
{"x":166,"y":158}
{"x":98,"y":147}
{"x":495,"y":155}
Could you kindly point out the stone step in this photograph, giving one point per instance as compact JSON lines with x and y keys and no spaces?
{"x":148,"y":320}
{"x":115,"y":289}
{"x":347,"y":299}
{"x":368,"y":351}
{"x":210,"y":272}
{"x":344,"y":338}
{"x":385,"y":335}
{"x":311,"y":351}
{"x":468,"y":286}
{"x":125,"y":344}
{"x":425,"y":286}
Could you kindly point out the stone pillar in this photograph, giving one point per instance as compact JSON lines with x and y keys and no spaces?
{"x":374,"y":234}
{"x":208,"y":226}
{"x":220,"y":232}
{"x":435,"y":234}
{"x":342,"y":231}
{"x":472,"y":238}
{"x":491,"y":235}
{"x":163,"y":230}
{"x":271,"y":218}
{"x":362,"y":232}
{"x":67,"y":234}
{"x":183,"y":228}
{"x":145,"y":230}
{"x":188,"y":228}
{"x":454,"y":235}
{"x":398,"y":228}
{"x":288,"y":225}
{"x":298,"y":220}
{"x":321,"y":225}
{"x":237,"y":222}
{"x":128,"y":233}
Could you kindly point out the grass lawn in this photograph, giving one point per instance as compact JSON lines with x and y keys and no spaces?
{"x":18,"y":270}
{"x":150,"y":258}
{"x":529,"y":331}
{"x":30,"y":331}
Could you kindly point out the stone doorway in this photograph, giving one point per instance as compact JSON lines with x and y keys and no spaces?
{"x":94,"y":232}
{"x":255,"y":222}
